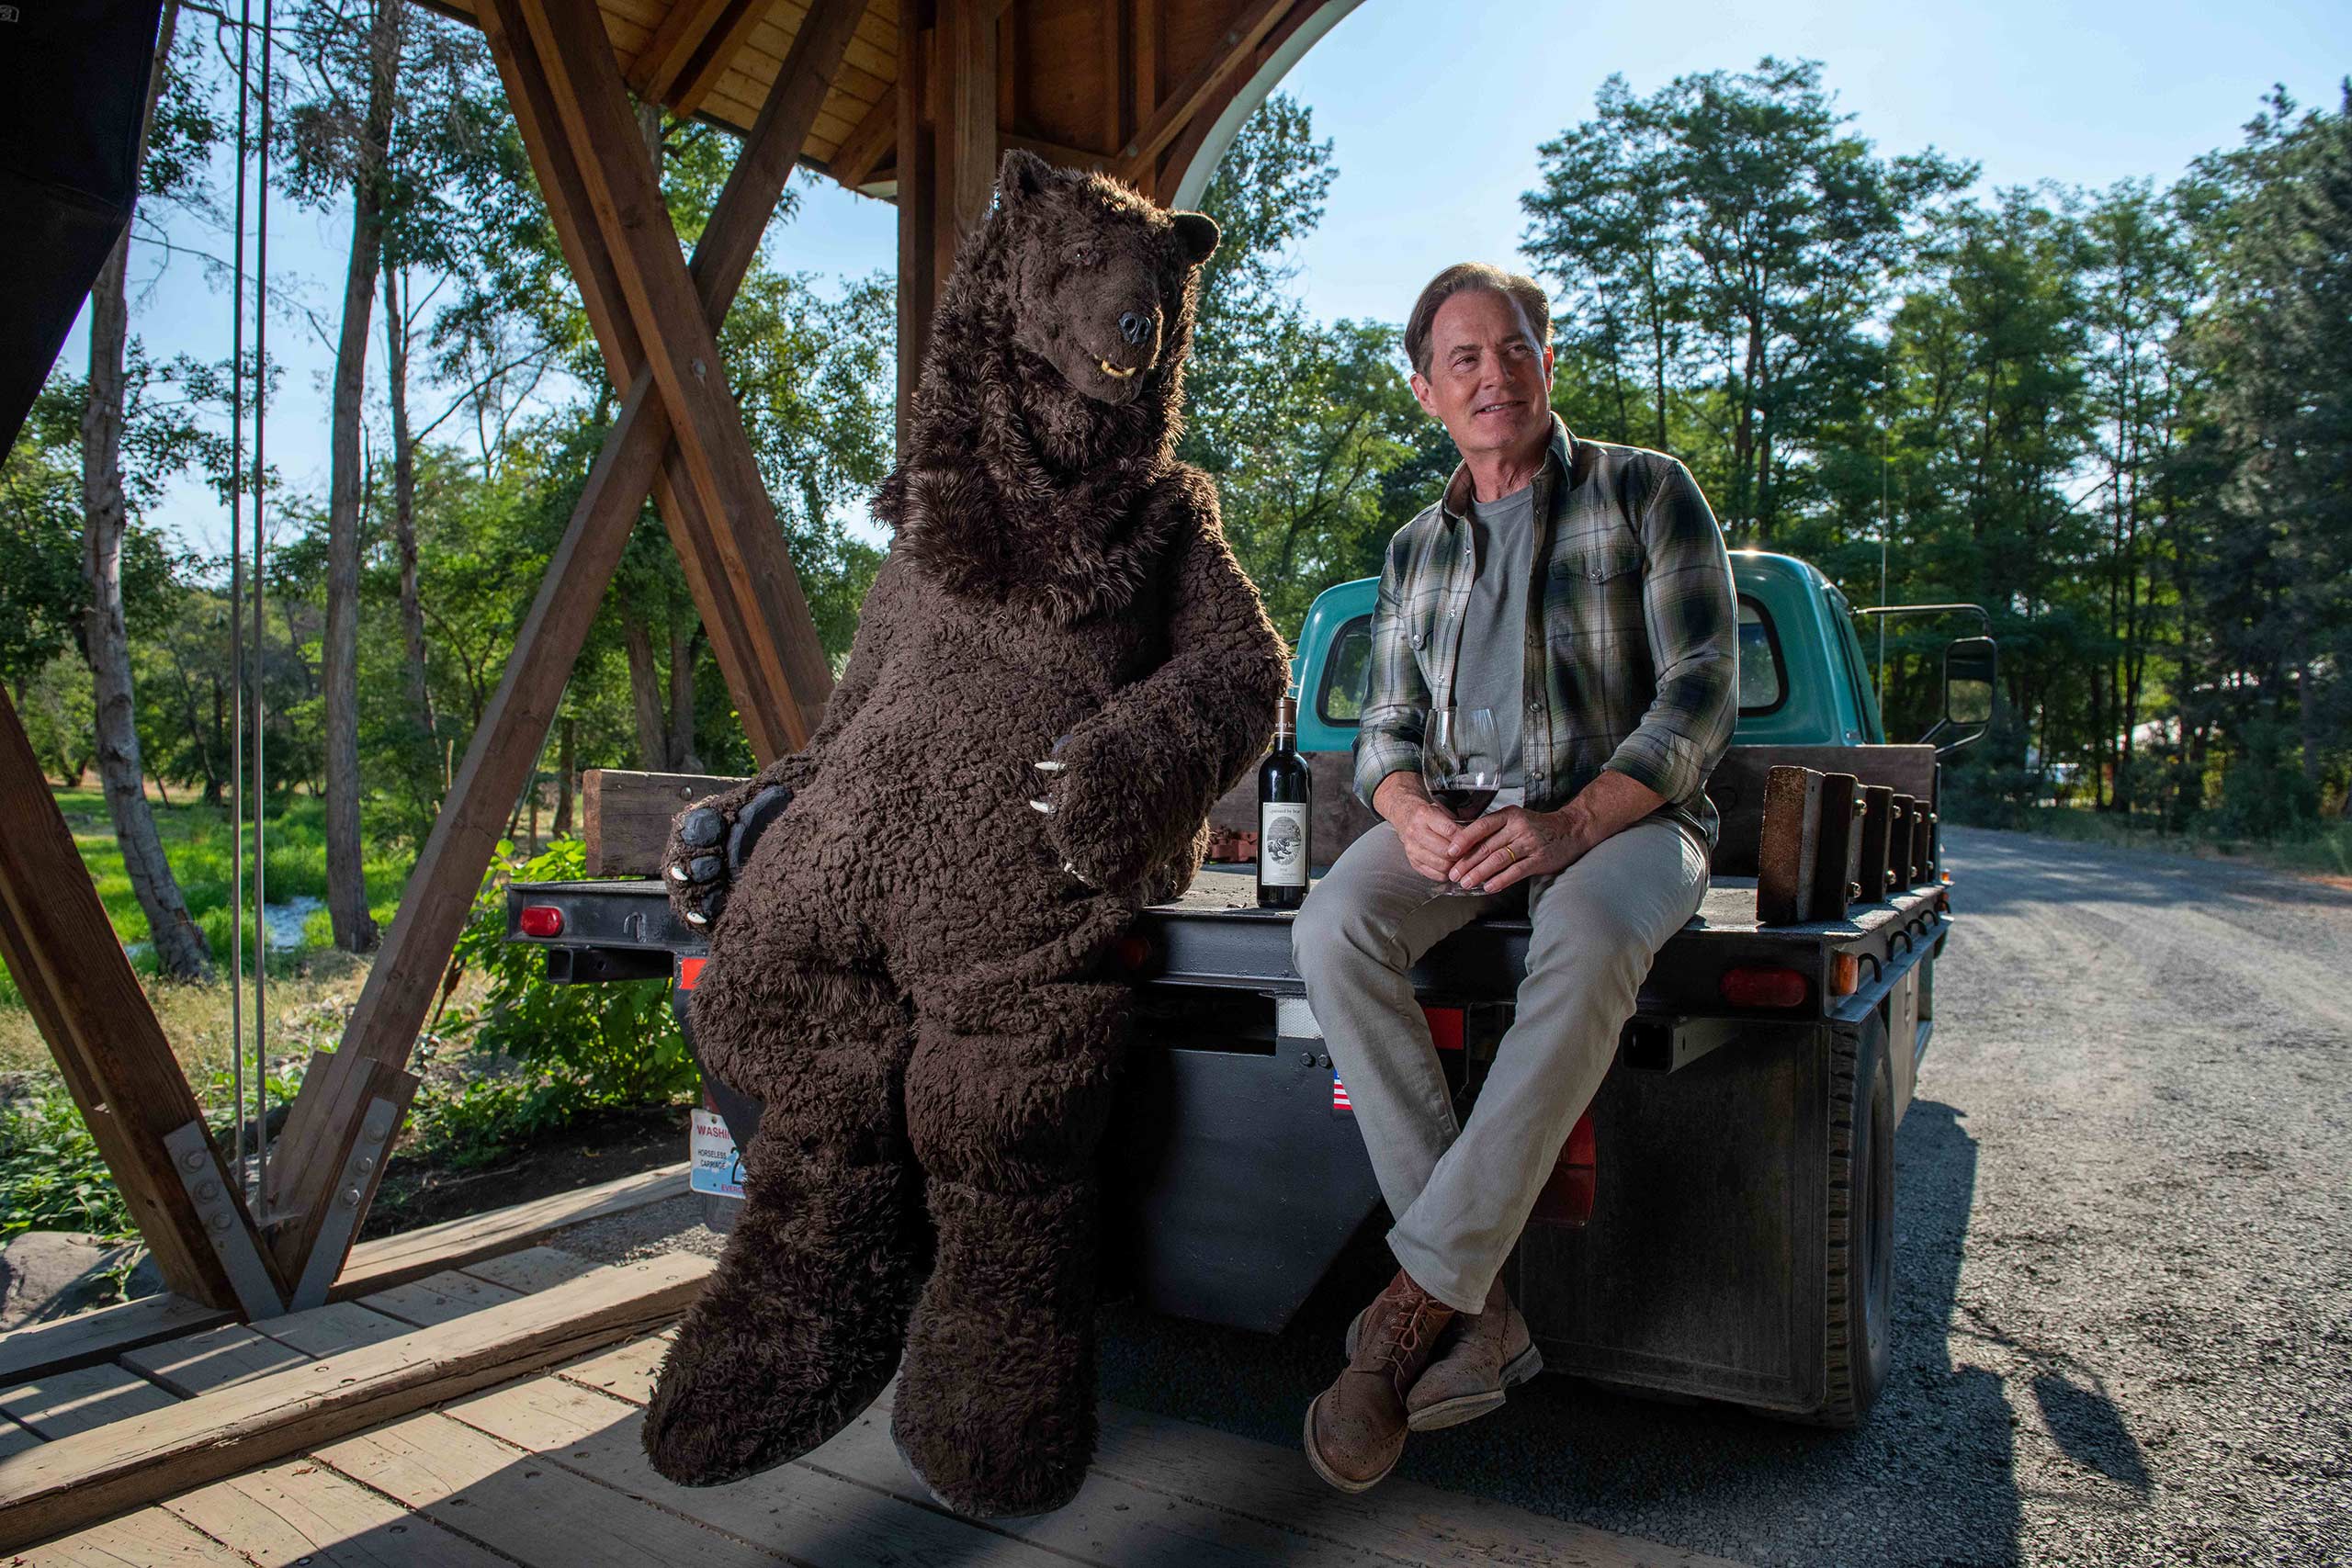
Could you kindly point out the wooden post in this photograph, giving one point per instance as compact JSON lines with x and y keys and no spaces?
{"x":440,"y":893}
{"x":919,"y":278}
{"x":79,"y":988}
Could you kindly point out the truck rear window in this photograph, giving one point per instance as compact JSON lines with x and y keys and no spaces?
{"x":1346,"y":674}
{"x":1761,"y":687}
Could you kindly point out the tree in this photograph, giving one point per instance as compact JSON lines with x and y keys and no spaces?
{"x":1731,"y":227}
{"x":180,"y":948}
{"x":2137,"y":289}
{"x":2274,"y":219}
{"x":1605,"y":226}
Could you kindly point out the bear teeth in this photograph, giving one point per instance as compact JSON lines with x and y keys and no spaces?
{"x":1111,"y":369}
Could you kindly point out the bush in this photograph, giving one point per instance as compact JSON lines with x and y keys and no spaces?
{"x":51,"y":1175}
{"x":583,"y":1048}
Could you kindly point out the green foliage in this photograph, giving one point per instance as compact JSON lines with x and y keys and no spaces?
{"x":588,"y":1047}
{"x":51,"y":1176}
{"x":1304,"y":426}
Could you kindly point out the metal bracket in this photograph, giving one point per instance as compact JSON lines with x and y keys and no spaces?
{"x":355,"y":1184}
{"x":209,"y":1188}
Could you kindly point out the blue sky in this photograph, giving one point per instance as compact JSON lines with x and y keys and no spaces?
{"x":1436,"y":111}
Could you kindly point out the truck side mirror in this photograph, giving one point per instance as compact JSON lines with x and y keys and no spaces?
{"x":1971,"y":666}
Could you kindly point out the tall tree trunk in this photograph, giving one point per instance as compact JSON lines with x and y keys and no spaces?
{"x":684,"y":634}
{"x":354,"y":930}
{"x":645,"y":695}
{"x":420,"y":692}
{"x":565,"y":763}
{"x":180,"y":947}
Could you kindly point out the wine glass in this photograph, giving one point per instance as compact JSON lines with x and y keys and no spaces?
{"x":1462,"y":763}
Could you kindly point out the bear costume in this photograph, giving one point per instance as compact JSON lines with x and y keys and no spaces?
{"x":1057,"y":671}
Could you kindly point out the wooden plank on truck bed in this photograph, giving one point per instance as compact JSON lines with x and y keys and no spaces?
{"x":1837,"y":872}
{"x":626,"y":815}
{"x":1738,"y":787}
{"x":78,"y":1480}
{"x":1789,"y":848}
{"x":1877,"y":875}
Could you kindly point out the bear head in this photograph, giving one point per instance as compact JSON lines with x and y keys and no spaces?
{"x":1051,"y":394}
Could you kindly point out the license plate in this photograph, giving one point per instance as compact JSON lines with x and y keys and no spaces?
{"x":717,"y":1167}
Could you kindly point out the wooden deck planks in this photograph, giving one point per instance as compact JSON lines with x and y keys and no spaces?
{"x":813,"y":1517}
{"x":514,"y":1502}
{"x":1400,"y":1519}
{"x":1173,"y":1491}
{"x":303,"y":1513}
{"x":217,"y":1358}
{"x":438,"y":1298}
{"x":533,"y":1269}
{"x":395,"y":1259}
{"x":79,"y":1479}
{"x":331,"y":1329}
{"x":91,"y":1337}
{"x":82,"y":1400}
{"x":148,"y":1538}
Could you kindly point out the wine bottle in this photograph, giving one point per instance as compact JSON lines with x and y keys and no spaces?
{"x":1283,"y":807}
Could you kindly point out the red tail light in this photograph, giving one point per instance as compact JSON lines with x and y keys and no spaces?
{"x":1132,"y":951}
{"x":1445,"y":1027}
{"x":541,"y":920}
{"x":1760,"y":986}
{"x":690,"y":971}
{"x":1568,"y":1191}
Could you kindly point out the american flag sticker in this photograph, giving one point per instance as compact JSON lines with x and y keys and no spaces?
{"x":1340,"y":1094}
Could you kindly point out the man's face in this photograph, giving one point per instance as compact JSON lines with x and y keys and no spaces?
{"x":1489,"y":381}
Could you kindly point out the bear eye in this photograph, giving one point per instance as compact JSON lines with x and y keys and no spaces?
{"x":1086,"y":255}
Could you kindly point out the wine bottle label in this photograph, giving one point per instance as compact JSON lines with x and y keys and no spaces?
{"x":1281,"y":843}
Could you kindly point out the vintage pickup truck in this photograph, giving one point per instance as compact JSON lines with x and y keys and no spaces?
{"x":1720,"y":1223}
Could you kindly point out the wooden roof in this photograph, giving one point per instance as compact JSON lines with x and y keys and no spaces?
{"x":1131,"y":86}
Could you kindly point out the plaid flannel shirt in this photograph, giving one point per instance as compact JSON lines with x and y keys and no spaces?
{"x":1631,"y":639}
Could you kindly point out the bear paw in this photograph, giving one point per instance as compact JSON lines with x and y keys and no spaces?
{"x":709,"y":844}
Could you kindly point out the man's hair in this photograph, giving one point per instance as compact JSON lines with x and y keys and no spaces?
{"x":1524,"y":290}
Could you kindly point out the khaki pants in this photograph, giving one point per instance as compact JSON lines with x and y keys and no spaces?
{"x":1462,"y":1194}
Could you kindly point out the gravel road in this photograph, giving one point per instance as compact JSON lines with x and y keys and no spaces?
{"x":2123,"y":1297}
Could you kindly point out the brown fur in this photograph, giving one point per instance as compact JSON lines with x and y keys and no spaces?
{"x":905,"y":971}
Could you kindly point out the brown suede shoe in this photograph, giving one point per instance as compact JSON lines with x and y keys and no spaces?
{"x":1355,"y":1428}
{"x":1479,"y":1358}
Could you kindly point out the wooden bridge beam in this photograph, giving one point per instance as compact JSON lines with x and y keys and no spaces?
{"x":79,"y":986}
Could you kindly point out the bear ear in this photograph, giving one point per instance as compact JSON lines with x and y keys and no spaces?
{"x":1196,"y":231}
{"x":1021,"y":177}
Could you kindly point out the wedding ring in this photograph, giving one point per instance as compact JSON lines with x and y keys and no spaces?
{"x":1511,"y":849}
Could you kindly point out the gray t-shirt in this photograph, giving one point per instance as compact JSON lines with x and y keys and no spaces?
{"x":1492,"y":668}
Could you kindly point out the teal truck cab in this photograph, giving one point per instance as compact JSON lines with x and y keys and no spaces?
{"x":1720,"y":1225}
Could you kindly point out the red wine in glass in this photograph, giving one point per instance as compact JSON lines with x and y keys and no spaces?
{"x":1463,"y":802}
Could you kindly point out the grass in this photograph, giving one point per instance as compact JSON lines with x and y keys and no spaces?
{"x":311,"y":986}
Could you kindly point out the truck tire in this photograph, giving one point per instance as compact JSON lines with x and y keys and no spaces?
{"x":1860,"y":1293}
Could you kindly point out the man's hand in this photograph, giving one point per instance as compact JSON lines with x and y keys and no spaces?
{"x":1503,"y":847}
{"x":1424,"y":830}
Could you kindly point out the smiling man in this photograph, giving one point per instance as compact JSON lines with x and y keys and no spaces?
{"x":1581,"y":592}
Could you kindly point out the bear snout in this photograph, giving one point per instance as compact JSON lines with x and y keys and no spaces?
{"x":1135,"y":326}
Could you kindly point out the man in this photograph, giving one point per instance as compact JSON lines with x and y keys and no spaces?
{"x":1582,"y":592}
